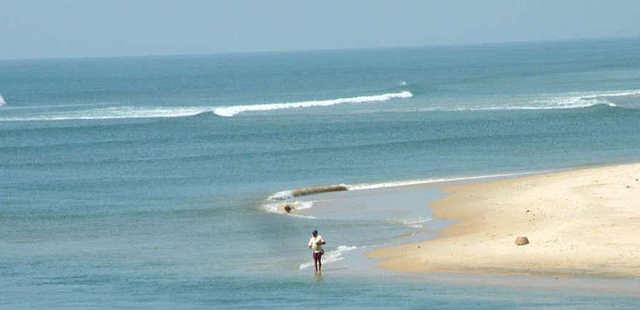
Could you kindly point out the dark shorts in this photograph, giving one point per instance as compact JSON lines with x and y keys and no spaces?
{"x":317,"y":255}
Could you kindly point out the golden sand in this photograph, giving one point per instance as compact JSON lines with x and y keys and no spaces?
{"x":579,"y":222}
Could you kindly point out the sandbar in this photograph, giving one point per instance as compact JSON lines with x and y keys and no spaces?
{"x":584,"y":221}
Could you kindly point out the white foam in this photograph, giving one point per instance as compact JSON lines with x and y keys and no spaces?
{"x":415,"y":223}
{"x":125,"y":112}
{"x":541,"y":102}
{"x":288,"y":194}
{"x":283,"y":195}
{"x":54,"y":106}
{"x":330,"y":256}
{"x":571,"y":100}
{"x":614,"y":93}
{"x":369,"y":186}
{"x":298,"y":205}
{"x":302,"y":205}
{"x":274,"y":202}
{"x":515,"y":108}
{"x":577,"y":105}
{"x":122,"y":112}
{"x":233,"y":110}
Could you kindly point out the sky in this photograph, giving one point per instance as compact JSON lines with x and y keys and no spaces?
{"x":91,"y":28}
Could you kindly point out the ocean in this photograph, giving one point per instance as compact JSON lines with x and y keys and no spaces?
{"x":154,"y":182}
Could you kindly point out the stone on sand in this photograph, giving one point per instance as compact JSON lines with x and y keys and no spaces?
{"x":522,"y":241}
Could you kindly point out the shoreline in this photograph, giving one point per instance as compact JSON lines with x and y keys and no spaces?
{"x":580,"y":222}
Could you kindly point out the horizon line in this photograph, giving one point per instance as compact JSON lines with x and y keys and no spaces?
{"x":293,"y":51}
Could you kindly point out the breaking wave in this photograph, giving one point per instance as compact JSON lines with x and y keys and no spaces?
{"x":123,"y":112}
{"x":572,"y":100}
{"x":514,"y":108}
{"x":233,"y":110}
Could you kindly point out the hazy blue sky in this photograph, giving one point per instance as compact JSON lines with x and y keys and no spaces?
{"x":70,"y":28}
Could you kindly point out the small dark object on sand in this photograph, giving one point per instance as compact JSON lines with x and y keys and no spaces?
{"x":522,"y":241}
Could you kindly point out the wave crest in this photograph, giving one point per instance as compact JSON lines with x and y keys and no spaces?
{"x":573,"y":100}
{"x":127,"y":112}
{"x":234,"y":110}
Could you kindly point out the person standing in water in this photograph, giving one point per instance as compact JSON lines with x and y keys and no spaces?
{"x":315,"y":244}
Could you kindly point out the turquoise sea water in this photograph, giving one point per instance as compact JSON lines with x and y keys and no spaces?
{"x":144,"y":182}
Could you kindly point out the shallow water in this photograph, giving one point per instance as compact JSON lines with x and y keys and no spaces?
{"x":121,"y":187}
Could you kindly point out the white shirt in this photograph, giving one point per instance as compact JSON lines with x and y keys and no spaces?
{"x":315,"y":243}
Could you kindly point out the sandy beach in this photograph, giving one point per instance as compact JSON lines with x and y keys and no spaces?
{"x":579,"y":222}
